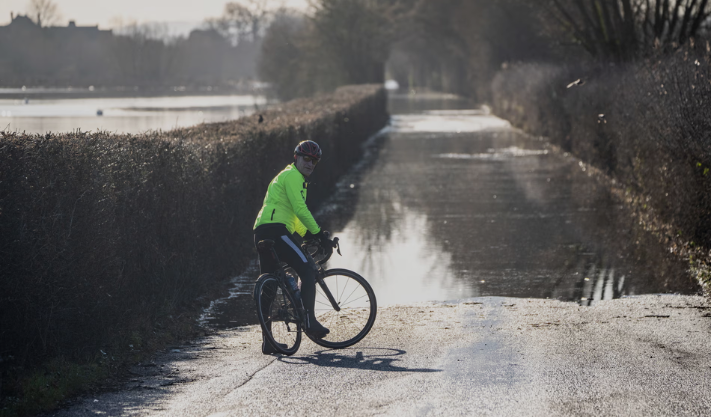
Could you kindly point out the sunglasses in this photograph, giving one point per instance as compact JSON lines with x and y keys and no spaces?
{"x":310,"y":159}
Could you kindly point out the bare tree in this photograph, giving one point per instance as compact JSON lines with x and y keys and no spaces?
{"x":142,"y":52}
{"x":44,"y":12}
{"x":666,"y":21}
{"x":243,"y":21}
{"x":459,"y":45}
{"x":620,"y":29}
{"x":142,"y":31}
{"x":282,"y":61}
{"x":339,"y":42}
{"x":356,"y":35}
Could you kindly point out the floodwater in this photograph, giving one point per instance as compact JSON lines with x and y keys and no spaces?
{"x":121,"y":114}
{"x":450,"y":202}
{"x":457,"y":204}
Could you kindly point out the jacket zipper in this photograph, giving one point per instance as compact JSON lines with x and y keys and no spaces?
{"x":273,"y":211}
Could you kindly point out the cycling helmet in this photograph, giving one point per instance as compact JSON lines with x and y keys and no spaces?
{"x":308,"y":148}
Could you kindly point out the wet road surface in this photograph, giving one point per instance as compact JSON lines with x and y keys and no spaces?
{"x":457,"y":204}
{"x":486,"y":356}
{"x":451,"y":203}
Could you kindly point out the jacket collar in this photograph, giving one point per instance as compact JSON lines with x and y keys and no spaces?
{"x":293,"y":165}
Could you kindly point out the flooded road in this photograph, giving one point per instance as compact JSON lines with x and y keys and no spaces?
{"x":451,"y":202}
{"x":458,"y":204}
{"x":447,"y":204}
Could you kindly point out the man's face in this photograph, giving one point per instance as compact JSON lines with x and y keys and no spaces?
{"x":305,"y":164}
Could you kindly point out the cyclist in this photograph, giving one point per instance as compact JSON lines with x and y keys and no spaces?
{"x":285,"y":219}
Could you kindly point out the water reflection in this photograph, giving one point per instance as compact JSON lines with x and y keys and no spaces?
{"x":489,"y":211}
{"x":432,"y":214}
{"x":601,"y":284}
{"x":407,"y":103}
{"x":122,"y":114}
{"x":408,"y":254}
{"x":450,"y":121}
{"x":238,"y":308}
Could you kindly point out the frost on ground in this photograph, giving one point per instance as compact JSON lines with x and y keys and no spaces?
{"x":488,"y":356}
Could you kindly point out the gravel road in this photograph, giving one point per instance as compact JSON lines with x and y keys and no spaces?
{"x":648,"y":355}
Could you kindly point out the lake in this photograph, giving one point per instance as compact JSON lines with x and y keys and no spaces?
{"x":121,"y":114}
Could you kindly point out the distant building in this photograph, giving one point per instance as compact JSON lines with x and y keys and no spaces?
{"x":30,"y":53}
{"x":23,"y":25}
{"x":82,"y":56}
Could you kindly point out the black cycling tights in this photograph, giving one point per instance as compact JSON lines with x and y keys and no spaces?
{"x":287,"y":247}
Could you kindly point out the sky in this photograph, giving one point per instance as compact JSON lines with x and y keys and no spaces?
{"x":106,"y":13}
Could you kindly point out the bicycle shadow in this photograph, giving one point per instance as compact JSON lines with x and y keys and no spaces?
{"x":374,"y":359}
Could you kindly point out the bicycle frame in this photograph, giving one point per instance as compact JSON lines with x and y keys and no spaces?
{"x":281,"y":271}
{"x":320,"y":274}
{"x":275,"y":280}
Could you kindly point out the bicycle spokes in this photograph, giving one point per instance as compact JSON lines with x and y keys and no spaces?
{"x":278,"y":314}
{"x":345,"y":304}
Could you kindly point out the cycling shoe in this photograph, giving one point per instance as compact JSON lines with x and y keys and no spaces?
{"x":315,"y":329}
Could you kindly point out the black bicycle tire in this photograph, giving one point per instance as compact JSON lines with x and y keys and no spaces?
{"x":261,"y":281}
{"x":371,"y":318}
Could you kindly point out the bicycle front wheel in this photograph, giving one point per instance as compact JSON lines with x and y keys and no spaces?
{"x":278,"y":314}
{"x":346,"y":305}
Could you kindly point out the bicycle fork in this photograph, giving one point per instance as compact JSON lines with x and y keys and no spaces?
{"x":327,"y":292}
{"x":321,"y":283}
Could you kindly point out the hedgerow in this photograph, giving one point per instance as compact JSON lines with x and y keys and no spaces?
{"x":646,"y":124}
{"x":102,"y":234}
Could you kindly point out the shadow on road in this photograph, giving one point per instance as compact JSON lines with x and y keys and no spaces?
{"x":373,"y":359}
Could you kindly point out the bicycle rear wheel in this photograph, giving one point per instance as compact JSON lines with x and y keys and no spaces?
{"x":278,"y":314}
{"x":355,"y":299}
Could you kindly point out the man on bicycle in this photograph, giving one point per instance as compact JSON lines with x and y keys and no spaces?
{"x":285,"y":219}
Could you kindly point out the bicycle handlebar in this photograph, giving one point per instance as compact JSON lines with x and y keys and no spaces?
{"x":336,"y":246}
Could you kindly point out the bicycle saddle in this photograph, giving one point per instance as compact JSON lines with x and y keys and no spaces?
{"x":265,"y":244}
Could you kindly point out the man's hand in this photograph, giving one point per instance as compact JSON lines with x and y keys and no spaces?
{"x":322,"y":236}
{"x":326,"y":243}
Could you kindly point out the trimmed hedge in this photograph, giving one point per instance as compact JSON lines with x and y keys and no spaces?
{"x":654,"y":135}
{"x":102,"y":234}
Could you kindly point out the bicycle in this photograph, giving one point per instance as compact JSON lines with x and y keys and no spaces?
{"x":345,"y":303}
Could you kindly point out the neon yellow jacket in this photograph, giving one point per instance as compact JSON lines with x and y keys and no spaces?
{"x":285,"y":203}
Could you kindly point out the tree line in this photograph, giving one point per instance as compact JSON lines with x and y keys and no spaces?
{"x":458,"y":45}
{"x":621,"y":84}
{"x":450,"y":45}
